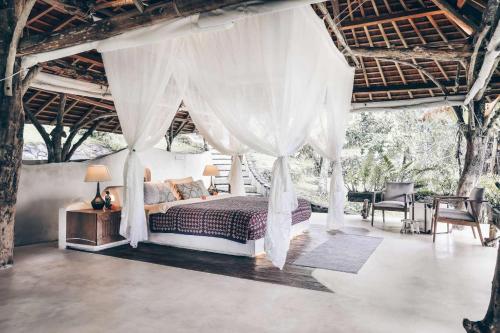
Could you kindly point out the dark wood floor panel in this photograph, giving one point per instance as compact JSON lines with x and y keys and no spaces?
{"x":257,"y":269}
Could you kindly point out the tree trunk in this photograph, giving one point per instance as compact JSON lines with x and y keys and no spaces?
{"x":475,"y":154}
{"x":491,"y":321}
{"x":58,"y":131}
{"x":11,"y":136}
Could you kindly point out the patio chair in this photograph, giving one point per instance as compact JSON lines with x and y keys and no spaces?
{"x":396,"y":197}
{"x":469,"y":217}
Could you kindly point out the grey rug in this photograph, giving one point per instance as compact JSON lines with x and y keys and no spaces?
{"x":342,"y":252}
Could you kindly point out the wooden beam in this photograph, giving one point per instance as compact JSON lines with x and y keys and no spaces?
{"x":422,"y":70}
{"x":399,"y":16}
{"x":76,"y":8}
{"x":119,"y":24}
{"x":453,"y":14}
{"x":92,"y":102}
{"x":422,"y":52}
{"x":338,"y":34}
{"x":46,"y":105}
{"x":416,"y":104}
{"x":12,"y":50}
{"x":37,"y":16}
{"x":404,"y":87}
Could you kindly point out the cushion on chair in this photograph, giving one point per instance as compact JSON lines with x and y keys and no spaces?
{"x":455,"y":214}
{"x":477,"y":194}
{"x":394,"y":191}
{"x":390,"y":204}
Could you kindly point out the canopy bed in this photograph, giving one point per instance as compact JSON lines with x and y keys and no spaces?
{"x":266,"y":78}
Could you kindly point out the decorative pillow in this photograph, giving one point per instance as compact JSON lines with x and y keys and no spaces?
{"x":173,"y":182}
{"x":189,"y":190}
{"x":157,"y":192}
{"x":204,"y":190}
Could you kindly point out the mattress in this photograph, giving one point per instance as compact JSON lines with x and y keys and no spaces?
{"x":234,"y":218}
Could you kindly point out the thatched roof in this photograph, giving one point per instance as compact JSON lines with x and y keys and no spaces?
{"x":371,"y":28}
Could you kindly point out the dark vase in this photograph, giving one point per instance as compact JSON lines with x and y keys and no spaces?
{"x":98,"y":201}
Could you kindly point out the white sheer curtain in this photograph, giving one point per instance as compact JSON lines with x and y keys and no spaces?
{"x":328,"y":135}
{"x":217,"y":135}
{"x":265,"y":79}
{"x":146,"y":96}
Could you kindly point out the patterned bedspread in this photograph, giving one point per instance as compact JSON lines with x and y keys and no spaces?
{"x":235,"y":218}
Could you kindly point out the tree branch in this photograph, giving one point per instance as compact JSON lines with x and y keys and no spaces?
{"x":340,"y":38}
{"x":84,"y":137}
{"x":459,"y":112}
{"x":421,"y":69}
{"x":43,"y":133}
{"x":118,"y":24}
{"x":74,"y":131}
{"x":421,"y":52}
{"x":16,"y":36}
{"x":493,"y":117}
{"x":32,"y":74}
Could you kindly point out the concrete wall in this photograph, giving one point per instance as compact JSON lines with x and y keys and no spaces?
{"x":45,"y":188}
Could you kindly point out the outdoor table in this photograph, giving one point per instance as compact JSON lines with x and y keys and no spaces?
{"x":427,"y":202}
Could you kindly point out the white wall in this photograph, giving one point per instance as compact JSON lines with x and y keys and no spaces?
{"x":45,"y":188}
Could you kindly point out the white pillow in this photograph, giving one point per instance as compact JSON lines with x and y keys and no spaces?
{"x":157,"y":192}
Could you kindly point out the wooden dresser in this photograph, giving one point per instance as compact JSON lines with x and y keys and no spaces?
{"x":90,"y":229}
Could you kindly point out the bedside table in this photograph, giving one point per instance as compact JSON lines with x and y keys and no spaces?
{"x":93,"y":230}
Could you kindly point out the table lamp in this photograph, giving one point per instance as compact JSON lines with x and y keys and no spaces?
{"x":211,"y":170}
{"x":97,"y":173}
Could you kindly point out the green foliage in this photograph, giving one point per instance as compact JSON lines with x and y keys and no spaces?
{"x":403,"y":146}
{"x":491,"y":185}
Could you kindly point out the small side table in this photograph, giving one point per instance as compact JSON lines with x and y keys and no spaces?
{"x":93,"y":230}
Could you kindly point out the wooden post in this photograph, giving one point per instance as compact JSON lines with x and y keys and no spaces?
{"x":477,"y":134}
{"x":11,"y":129}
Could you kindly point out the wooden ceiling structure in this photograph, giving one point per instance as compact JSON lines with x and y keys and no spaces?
{"x":402,"y":50}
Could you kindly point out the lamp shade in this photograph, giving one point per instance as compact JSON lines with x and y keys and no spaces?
{"x":210,"y":170}
{"x":97,"y":173}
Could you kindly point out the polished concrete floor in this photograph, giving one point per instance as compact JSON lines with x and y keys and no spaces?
{"x":407,"y":285}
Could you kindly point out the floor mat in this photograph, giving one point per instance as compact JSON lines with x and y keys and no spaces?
{"x":343,"y":252}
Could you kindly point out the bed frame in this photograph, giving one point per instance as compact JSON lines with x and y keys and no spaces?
{"x":252,"y":248}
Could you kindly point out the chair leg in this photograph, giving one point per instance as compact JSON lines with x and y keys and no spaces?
{"x":373,"y":213}
{"x":447,"y":228}
{"x":406,"y":215}
{"x":383,"y":216}
{"x":473,"y":232}
{"x":480,"y":233}
{"x":434,"y":227}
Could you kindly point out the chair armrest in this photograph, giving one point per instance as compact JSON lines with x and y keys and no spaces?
{"x":450,"y":197}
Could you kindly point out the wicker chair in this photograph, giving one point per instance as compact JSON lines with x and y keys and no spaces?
{"x":469,"y":217}
{"x":396,"y":197}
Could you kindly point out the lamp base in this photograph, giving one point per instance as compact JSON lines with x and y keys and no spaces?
{"x":212,"y":190}
{"x":98,"y":201}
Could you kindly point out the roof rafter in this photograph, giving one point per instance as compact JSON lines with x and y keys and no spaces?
{"x":411,"y":14}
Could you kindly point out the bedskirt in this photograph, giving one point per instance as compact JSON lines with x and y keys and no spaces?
{"x":235,"y":218}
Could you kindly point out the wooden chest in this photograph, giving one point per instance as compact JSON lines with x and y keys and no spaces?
{"x":93,"y":227}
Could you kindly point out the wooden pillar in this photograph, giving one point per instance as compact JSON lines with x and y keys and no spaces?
{"x":476,"y":139}
{"x":11,"y":134}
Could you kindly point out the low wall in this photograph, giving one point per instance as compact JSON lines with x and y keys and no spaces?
{"x":45,"y":188}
